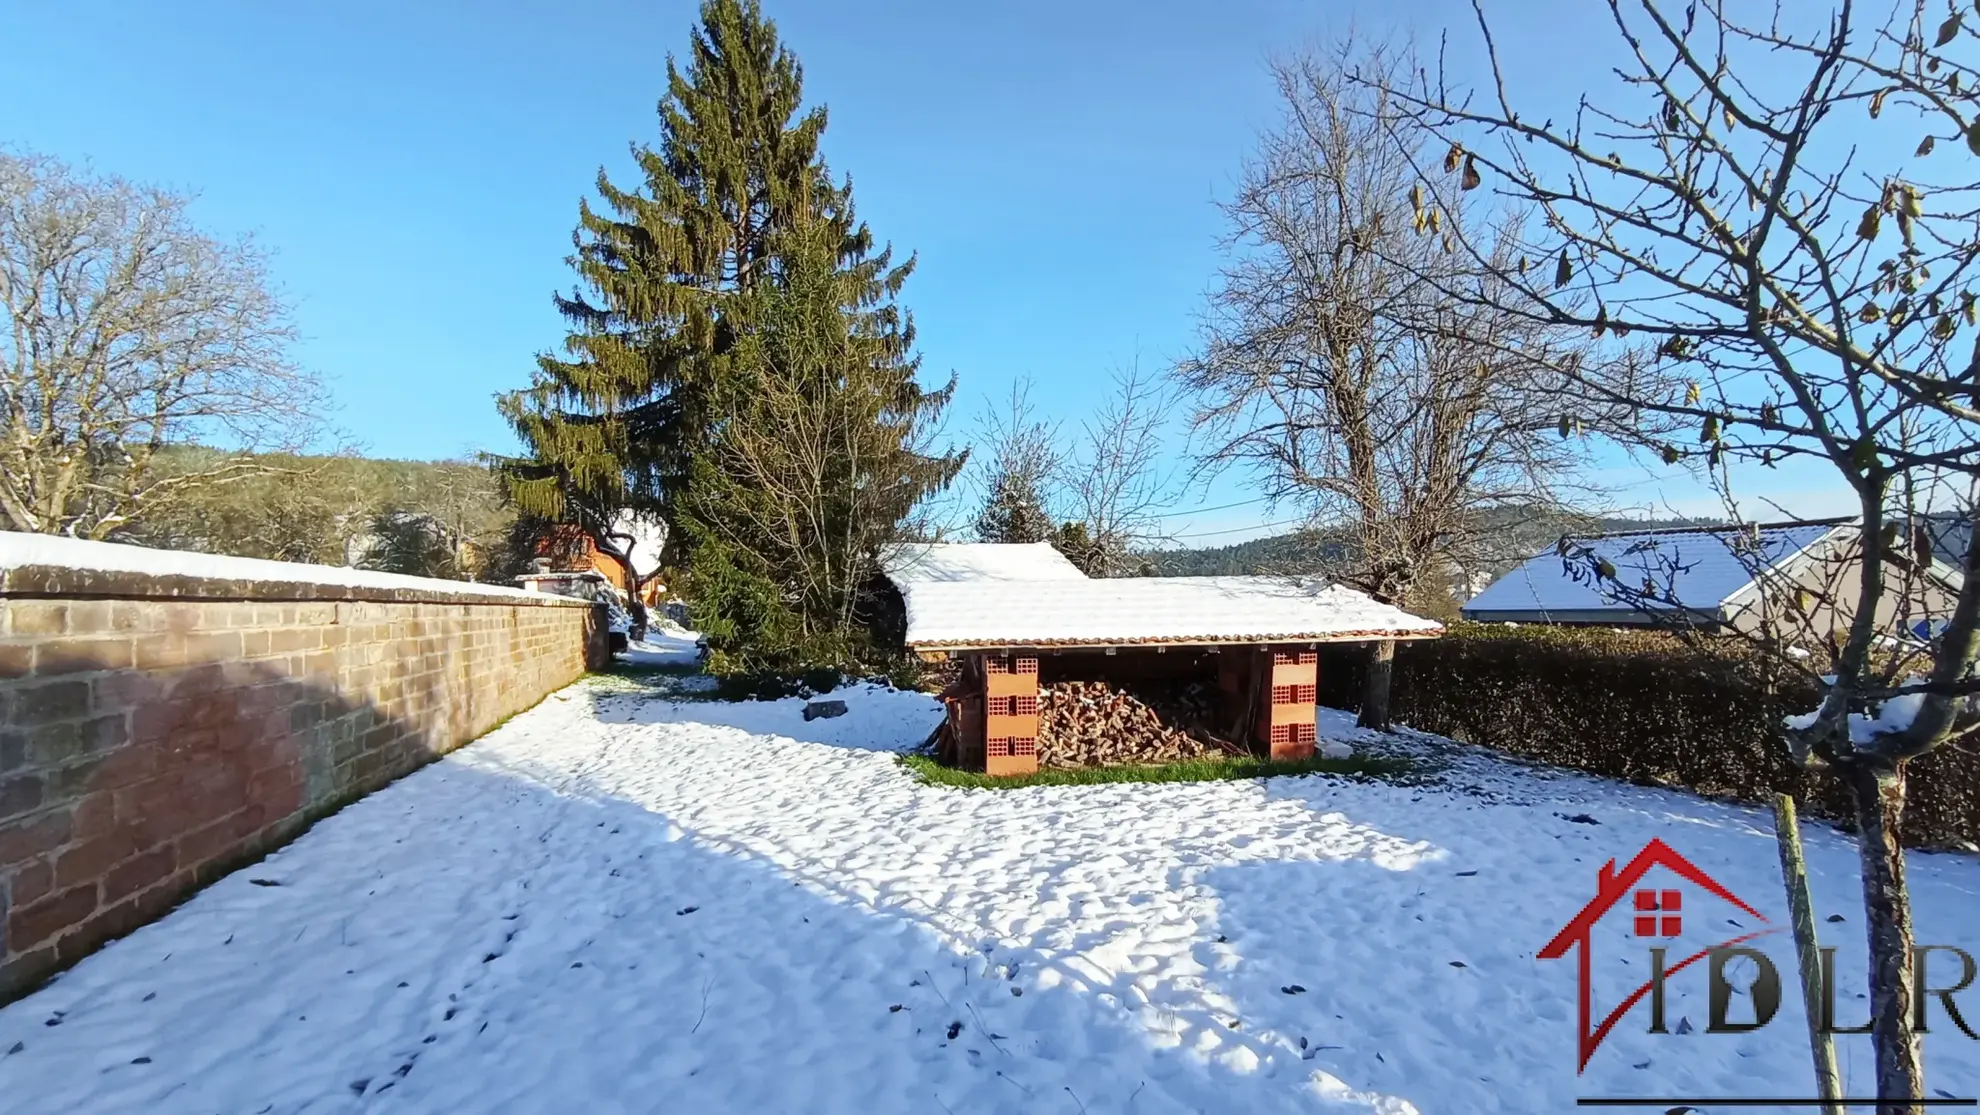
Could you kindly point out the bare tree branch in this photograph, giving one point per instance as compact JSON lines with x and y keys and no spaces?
{"x":128,"y":332}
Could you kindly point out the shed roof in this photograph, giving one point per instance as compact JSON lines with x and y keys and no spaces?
{"x":1703,"y":567}
{"x":916,"y":563}
{"x":1185,"y":611}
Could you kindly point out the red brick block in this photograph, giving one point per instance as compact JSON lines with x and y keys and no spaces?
{"x":92,"y":859}
{"x":121,"y":919}
{"x":16,"y":660}
{"x":126,"y":766}
{"x":29,"y":837}
{"x":156,"y":811}
{"x":138,"y":874}
{"x":37,"y":617}
{"x":214,"y":840}
{"x":213,"y":646}
{"x":32,"y":881}
{"x":36,"y":922}
{"x":72,"y":656}
{"x":93,"y":816}
{"x":254,"y":818}
{"x":163,"y":651}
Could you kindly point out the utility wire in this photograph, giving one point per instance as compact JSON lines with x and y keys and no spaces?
{"x":1239,"y":530}
{"x":1207,"y":510}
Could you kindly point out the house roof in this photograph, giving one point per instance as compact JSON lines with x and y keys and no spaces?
{"x":916,"y":563}
{"x":1702,"y":567}
{"x":985,"y":614}
{"x":1950,"y":533}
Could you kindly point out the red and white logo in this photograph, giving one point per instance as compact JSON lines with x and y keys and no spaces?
{"x":1653,"y":896}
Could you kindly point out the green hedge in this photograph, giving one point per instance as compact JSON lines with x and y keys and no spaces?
{"x":1643,"y":707}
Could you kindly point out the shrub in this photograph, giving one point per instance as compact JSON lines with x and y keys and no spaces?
{"x":1643,"y":707}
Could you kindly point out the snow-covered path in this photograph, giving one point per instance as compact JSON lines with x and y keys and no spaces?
{"x":621,"y":903}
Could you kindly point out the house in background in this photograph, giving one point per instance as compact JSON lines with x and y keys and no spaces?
{"x":1727,"y":577}
{"x":568,"y":548}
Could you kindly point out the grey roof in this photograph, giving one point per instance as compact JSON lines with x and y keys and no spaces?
{"x":1950,"y":535}
{"x":1701,"y":568}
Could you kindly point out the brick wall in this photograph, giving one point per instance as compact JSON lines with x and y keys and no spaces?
{"x":158,"y":732}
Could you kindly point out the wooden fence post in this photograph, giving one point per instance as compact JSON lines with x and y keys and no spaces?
{"x":1808,"y":953}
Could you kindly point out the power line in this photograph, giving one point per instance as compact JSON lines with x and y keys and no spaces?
{"x":1207,"y":510}
{"x":1239,"y":530}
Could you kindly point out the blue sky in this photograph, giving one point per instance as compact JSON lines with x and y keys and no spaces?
{"x":415,"y":169}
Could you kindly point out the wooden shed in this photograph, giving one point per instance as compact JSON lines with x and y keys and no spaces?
{"x":1008,"y":610}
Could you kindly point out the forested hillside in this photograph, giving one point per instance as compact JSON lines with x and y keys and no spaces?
{"x":431,"y":518}
{"x":1512,"y":540}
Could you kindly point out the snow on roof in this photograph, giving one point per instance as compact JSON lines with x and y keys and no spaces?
{"x":1703,"y":567}
{"x":1126,"y":610}
{"x":916,"y":563}
{"x":20,"y":551}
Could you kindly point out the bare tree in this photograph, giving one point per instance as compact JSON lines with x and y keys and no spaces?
{"x":128,"y":331}
{"x":1782,"y":209}
{"x":1117,"y":479}
{"x":443,"y":520}
{"x":1342,"y":377}
{"x":829,"y":446}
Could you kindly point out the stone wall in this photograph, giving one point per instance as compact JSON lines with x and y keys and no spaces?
{"x":160,"y":730}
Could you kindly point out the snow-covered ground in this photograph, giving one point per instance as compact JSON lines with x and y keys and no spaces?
{"x":618,"y":902}
{"x":667,"y":645}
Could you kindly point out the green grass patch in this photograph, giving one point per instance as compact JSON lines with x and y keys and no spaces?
{"x":932,"y":773}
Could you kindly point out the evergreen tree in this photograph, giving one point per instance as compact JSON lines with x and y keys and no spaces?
{"x":823,"y":451}
{"x":1014,"y":511}
{"x":1022,"y":474}
{"x":737,"y":362}
{"x":618,"y":418}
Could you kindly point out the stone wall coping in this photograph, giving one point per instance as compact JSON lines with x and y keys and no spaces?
{"x":43,"y":565}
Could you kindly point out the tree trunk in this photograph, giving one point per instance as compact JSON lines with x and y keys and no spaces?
{"x":1375,"y":690}
{"x":1879,"y":797}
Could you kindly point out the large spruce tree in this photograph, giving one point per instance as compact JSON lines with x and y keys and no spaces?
{"x":824,"y":449}
{"x":663,"y":365}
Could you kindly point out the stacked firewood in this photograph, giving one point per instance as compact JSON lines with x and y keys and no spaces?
{"x":1093,"y":723}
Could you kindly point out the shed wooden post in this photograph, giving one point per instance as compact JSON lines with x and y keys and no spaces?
{"x":966,"y":716}
{"x":1234,"y":682}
